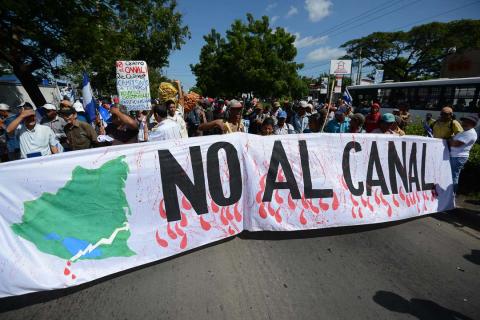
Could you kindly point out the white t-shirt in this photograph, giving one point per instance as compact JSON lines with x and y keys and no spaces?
{"x":37,"y":140}
{"x":165,"y":130}
{"x":181,"y":123}
{"x":468,"y":137}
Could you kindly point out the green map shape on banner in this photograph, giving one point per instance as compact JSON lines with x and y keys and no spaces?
{"x":90,"y":211}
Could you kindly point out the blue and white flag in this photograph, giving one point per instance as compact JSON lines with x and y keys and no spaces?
{"x":347,"y":97}
{"x":105,"y":115}
{"x":88,"y":101}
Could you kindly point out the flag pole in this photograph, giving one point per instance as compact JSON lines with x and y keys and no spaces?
{"x":329,"y":104}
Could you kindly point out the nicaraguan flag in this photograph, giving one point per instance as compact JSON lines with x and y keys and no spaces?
{"x":104,"y":115}
{"x":347,"y":97}
{"x":88,"y":101}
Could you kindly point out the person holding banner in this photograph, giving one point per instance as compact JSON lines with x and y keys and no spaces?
{"x":123,"y":128}
{"x":232,"y":123}
{"x":460,"y":146}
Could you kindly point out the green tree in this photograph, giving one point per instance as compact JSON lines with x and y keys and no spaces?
{"x":86,"y":35}
{"x":252,"y":57}
{"x":417,"y":53}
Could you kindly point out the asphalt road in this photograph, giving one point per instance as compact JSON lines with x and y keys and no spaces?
{"x":428,"y":268}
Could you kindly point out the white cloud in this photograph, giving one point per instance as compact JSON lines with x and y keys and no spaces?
{"x":308,"y":41}
{"x":274,"y":18}
{"x":318,"y":9}
{"x":271,"y":6}
{"x":293,"y":11}
{"x":325,"y":53}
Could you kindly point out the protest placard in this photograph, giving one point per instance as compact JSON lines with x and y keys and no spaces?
{"x":133,"y":86}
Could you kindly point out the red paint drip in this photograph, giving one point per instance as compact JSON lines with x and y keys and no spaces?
{"x":291,"y":204}
{"x":407,"y":200}
{"x":354,"y":216}
{"x":364,"y":202}
{"x":335,"y":201}
{"x":186,"y":204}
{"x":170,"y":232}
{"x":370,"y":207}
{"x":231,"y":231}
{"x":262,"y":181}
{"x":280,"y":176}
{"x":425,"y":196}
{"x":69,"y":263}
{"x":413,"y":200}
{"x":214,"y":206}
{"x":228,"y":214}
{"x":395,"y":201}
{"x":66,"y":271}
{"x":236,"y":213}
{"x":344,"y":184}
{"x":183,"y":243}
{"x":270,"y":209}
{"x":384,"y":202}
{"x":314,"y":209}
{"x":184,"y":221}
{"x":73,"y":276}
{"x":389,"y":210}
{"x":418,"y":208}
{"x":304,"y":202}
{"x":179,"y":231}
{"x":262,"y":212}
{"x":278,"y":199}
{"x":302,"y":217}
{"x":377,"y":198}
{"x":402,"y":195}
{"x":418,"y":197}
{"x":258,"y":198}
{"x":323,"y":206}
{"x":360,"y":214}
{"x":354,"y":202}
{"x":278,"y":217}
{"x":223,"y":218}
{"x":205,"y":224}
{"x":161,"y":242}
{"x":161,"y":209}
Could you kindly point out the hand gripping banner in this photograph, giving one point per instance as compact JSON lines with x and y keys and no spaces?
{"x":71,"y":218}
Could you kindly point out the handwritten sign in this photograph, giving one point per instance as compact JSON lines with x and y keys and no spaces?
{"x":132,"y":85}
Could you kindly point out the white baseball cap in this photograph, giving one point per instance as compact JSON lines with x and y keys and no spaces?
{"x":49,"y":106}
{"x":78,"y":106}
{"x":4,"y":107}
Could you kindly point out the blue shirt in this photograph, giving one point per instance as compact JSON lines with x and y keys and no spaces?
{"x":12,"y":140}
{"x":333,"y":126}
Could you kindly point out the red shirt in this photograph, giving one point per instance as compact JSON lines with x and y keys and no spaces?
{"x":372,"y":121}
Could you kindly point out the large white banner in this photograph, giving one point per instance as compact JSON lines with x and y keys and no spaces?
{"x":75,"y":217}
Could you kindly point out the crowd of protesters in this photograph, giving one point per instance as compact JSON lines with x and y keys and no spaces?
{"x":27,"y":132}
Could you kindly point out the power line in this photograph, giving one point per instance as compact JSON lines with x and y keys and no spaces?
{"x":361,"y":16}
{"x":436,"y":15}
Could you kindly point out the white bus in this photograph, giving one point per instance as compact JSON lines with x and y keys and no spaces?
{"x":422,"y":97}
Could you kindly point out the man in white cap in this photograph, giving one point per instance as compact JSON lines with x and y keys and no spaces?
{"x":12,"y":143}
{"x":460,"y":146}
{"x":56,"y":123}
{"x":81,"y":115}
{"x":300,"y":119}
{"x":35,"y":139}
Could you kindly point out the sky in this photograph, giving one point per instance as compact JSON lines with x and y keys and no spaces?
{"x":321,"y":26}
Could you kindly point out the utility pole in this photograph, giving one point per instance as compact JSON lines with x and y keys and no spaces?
{"x":359,"y":71}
